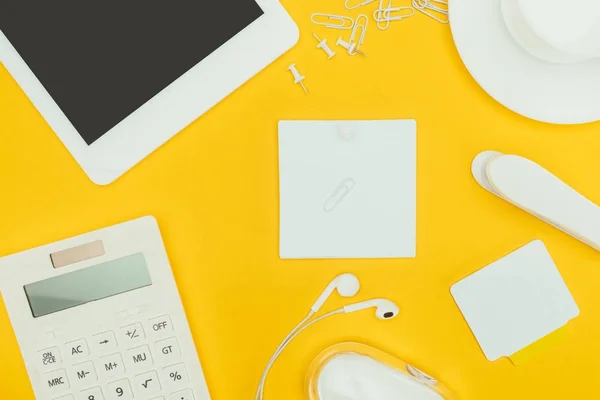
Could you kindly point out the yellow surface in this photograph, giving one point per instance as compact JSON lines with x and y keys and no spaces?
{"x":214,"y":191}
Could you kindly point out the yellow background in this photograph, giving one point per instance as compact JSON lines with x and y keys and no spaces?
{"x":214,"y":190}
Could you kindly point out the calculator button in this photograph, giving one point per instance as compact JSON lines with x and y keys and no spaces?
{"x":168,"y":350}
{"x":91,"y":394}
{"x":104,"y":342}
{"x":84,"y":374}
{"x":77,"y":349}
{"x":147,"y":383}
{"x":175,"y":375}
{"x":56,"y":381}
{"x":49,"y":357}
{"x":119,"y":390}
{"x":111,"y":365}
{"x":186,"y":394}
{"x":67,"y":397}
{"x":140,"y":357}
{"x":161,"y":325}
{"x":132,"y":333}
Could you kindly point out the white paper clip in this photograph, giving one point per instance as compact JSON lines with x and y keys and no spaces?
{"x":297,"y":77}
{"x":532,"y":188}
{"x":339,"y":194}
{"x":323,"y":45}
{"x":384,"y":16}
{"x":436,"y":9}
{"x":326,"y":19}
{"x":363,"y":3}
{"x":363,"y":33}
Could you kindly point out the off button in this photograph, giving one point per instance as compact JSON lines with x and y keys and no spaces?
{"x":161,"y":325}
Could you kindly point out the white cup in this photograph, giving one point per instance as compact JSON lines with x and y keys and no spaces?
{"x":557,"y":31}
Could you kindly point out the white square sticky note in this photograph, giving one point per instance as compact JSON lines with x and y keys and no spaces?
{"x":347,"y":189}
{"x":515,"y":301}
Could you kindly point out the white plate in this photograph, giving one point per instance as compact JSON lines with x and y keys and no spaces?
{"x":559,"y":94}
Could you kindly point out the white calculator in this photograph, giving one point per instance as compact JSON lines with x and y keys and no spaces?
{"x":99,"y":317}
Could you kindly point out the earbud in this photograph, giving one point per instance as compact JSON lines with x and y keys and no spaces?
{"x":385,"y":309}
{"x":347,"y":285}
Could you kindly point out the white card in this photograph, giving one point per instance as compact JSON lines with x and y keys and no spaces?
{"x":347,"y":189}
{"x":515,"y":301}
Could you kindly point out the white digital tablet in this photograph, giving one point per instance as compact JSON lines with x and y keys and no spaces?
{"x":116,"y":79}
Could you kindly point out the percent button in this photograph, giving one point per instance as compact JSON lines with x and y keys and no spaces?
{"x":175,"y":375}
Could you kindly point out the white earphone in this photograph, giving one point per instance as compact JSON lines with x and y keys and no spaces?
{"x":346,"y":285}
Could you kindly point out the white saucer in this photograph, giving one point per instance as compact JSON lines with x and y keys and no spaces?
{"x":554,"y":93}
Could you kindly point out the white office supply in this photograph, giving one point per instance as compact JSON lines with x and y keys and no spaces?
{"x":346,"y":285}
{"x":352,"y":376}
{"x":350,"y":47}
{"x":533,"y":41}
{"x":114,"y":95}
{"x":532,"y":188}
{"x":361,"y":4}
{"x":355,"y":371}
{"x":363,"y":32}
{"x":515,"y":301}
{"x":297,"y":77}
{"x":104,"y":326}
{"x":552,"y":32}
{"x":332,"y":21}
{"x":436,"y":9}
{"x":347,"y":189}
{"x":324,"y":46}
{"x":384,"y":16}
{"x":531,"y":81}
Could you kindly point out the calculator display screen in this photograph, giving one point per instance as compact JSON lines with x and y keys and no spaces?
{"x":89,"y":284}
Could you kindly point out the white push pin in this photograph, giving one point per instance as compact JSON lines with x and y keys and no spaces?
{"x":297,"y":77}
{"x":323,"y":45}
{"x":351,"y":47}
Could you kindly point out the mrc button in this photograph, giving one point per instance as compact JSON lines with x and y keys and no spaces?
{"x":161,"y":325}
{"x":56,"y":381}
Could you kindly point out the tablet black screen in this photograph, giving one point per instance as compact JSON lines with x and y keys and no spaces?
{"x":101,"y":60}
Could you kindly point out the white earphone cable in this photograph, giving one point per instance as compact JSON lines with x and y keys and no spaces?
{"x":292,"y":335}
{"x":283,"y":342}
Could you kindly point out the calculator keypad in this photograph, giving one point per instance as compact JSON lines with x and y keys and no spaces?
{"x":77,"y":350}
{"x":132,"y":334}
{"x":161,"y":325}
{"x":118,"y":365}
{"x":148,"y":383}
{"x":94,"y":393}
{"x":104,"y":342}
{"x":175,"y":375}
{"x":49,"y":357}
{"x":139,"y":357}
{"x":168,"y":351}
{"x":67,"y":397}
{"x":56,"y":381}
{"x":120,"y":390}
{"x":183,"y":395}
{"x":84,"y":373}
{"x":112,"y":365}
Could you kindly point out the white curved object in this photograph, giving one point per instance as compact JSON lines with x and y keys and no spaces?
{"x":535,"y":43}
{"x":358,"y":377}
{"x":532,"y":188}
{"x":572,"y":28}
{"x":559,"y":92}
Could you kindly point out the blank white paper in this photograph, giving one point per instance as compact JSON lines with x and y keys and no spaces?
{"x":515,"y":301}
{"x":347,"y":189}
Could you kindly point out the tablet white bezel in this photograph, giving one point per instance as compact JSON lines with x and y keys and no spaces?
{"x":175,"y":107}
